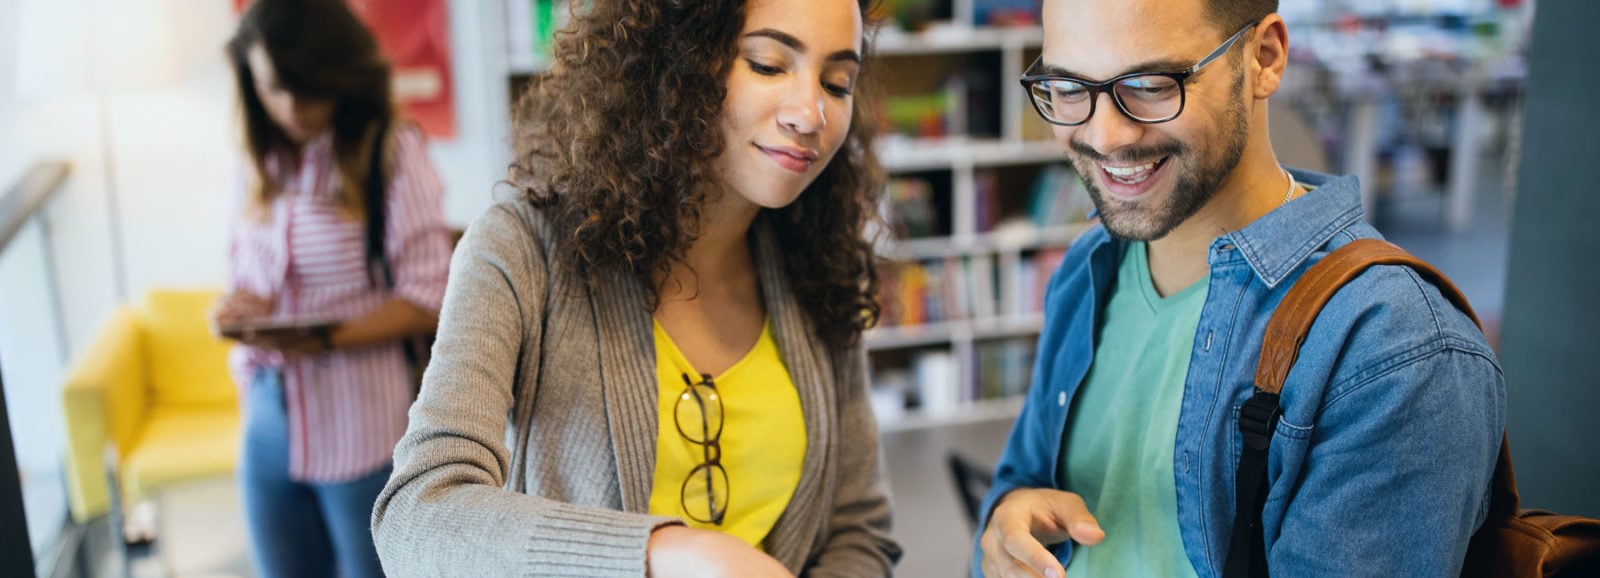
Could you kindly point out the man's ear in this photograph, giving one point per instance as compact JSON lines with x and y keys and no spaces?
{"x":1269,"y":56}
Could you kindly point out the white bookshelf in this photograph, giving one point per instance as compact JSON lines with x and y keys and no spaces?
{"x":996,"y":254}
{"x":961,"y":152}
{"x":966,"y":413}
{"x":953,"y":38}
{"x":996,"y":242}
{"x":898,"y":337}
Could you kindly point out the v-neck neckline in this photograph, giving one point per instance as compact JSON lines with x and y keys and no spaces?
{"x":1153,"y":300}
{"x":683,"y":360}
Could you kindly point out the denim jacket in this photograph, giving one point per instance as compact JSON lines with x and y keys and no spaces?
{"x":1393,"y":413}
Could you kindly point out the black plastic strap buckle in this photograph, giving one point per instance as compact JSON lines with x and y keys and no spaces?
{"x":1258,"y":419}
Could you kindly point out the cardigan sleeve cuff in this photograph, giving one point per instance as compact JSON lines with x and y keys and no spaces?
{"x":573,"y":540}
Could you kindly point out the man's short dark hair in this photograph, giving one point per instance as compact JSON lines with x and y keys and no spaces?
{"x":1231,"y":15}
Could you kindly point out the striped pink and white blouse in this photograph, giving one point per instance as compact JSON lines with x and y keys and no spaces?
{"x":347,"y":408}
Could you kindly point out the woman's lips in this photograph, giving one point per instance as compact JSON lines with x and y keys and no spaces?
{"x":793,"y":158}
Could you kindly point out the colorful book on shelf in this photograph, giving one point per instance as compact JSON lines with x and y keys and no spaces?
{"x":545,"y":24}
{"x":1016,"y":366}
{"x":918,"y":115}
{"x":1004,"y":368}
{"x":1006,"y":12}
{"x":957,"y":288}
{"x":1008,"y":272}
{"x":531,"y":26}
{"x":1048,"y":260}
{"x":990,"y":380}
{"x":957,"y":296}
{"x":913,"y":287}
{"x":1058,"y":198}
{"x":891,"y":311}
{"x":1026,"y":287}
{"x":981,"y":275}
{"x":911,"y":208}
{"x":933,"y":303}
{"x":911,"y":15}
{"x":922,"y":292}
{"x":986,"y":200}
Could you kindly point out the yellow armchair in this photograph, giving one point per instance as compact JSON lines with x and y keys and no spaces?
{"x":152,"y":398}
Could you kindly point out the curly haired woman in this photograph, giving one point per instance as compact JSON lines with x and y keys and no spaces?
{"x":649,"y":363}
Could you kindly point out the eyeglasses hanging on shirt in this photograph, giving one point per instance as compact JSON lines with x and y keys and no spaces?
{"x":698,"y":416}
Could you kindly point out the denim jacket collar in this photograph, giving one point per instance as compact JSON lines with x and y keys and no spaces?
{"x":1276,"y":244}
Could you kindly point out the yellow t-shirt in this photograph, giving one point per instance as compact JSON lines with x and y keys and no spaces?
{"x":763,"y":438}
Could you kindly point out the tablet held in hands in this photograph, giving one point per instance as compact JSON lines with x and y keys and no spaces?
{"x":251,"y":328}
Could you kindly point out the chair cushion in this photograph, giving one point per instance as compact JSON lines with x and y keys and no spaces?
{"x":188,"y":365}
{"x":180,"y":444}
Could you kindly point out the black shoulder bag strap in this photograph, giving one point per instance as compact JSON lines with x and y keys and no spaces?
{"x":378,"y":270}
{"x":377,"y":204}
{"x":1286,"y":331}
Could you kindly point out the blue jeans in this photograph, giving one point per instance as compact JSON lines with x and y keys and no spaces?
{"x":300,"y":529}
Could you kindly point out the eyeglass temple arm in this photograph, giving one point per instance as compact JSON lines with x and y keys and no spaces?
{"x":1221,"y":50}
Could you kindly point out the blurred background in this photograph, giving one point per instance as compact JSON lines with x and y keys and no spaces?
{"x":1469,"y":122}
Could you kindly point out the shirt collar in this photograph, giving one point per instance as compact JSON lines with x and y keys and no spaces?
{"x":1277,"y":243}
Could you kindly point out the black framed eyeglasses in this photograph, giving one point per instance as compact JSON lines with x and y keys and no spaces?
{"x":1146,"y":97}
{"x":698,"y":415}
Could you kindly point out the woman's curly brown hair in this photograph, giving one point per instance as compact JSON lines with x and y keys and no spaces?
{"x":616,"y":141}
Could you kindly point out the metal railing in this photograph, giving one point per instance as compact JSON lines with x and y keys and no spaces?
{"x":24,"y":199}
{"x":20,"y":204}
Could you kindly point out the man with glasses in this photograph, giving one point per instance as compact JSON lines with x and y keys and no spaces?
{"x":1123,"y":460}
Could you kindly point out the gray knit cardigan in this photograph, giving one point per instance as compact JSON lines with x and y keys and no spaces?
{"x":531,"y":449}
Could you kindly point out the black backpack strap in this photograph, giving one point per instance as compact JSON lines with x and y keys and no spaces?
{"x":377,"y":203}
{"x":1280,"y":347}
{"x":1247,"y":551}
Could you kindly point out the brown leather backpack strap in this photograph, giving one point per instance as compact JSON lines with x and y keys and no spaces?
{"x":1287,"y":329}
{"x":1280,"y":347}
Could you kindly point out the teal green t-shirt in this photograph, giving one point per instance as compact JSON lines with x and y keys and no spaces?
{"x":1123,"y":426}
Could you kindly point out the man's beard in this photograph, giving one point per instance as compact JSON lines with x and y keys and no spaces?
{"x":1150,"y":219}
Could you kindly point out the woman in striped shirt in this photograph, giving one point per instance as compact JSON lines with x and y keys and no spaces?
{"x":323,"y":411}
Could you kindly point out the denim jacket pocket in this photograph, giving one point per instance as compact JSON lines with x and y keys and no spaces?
{"x":1290,"y":442}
